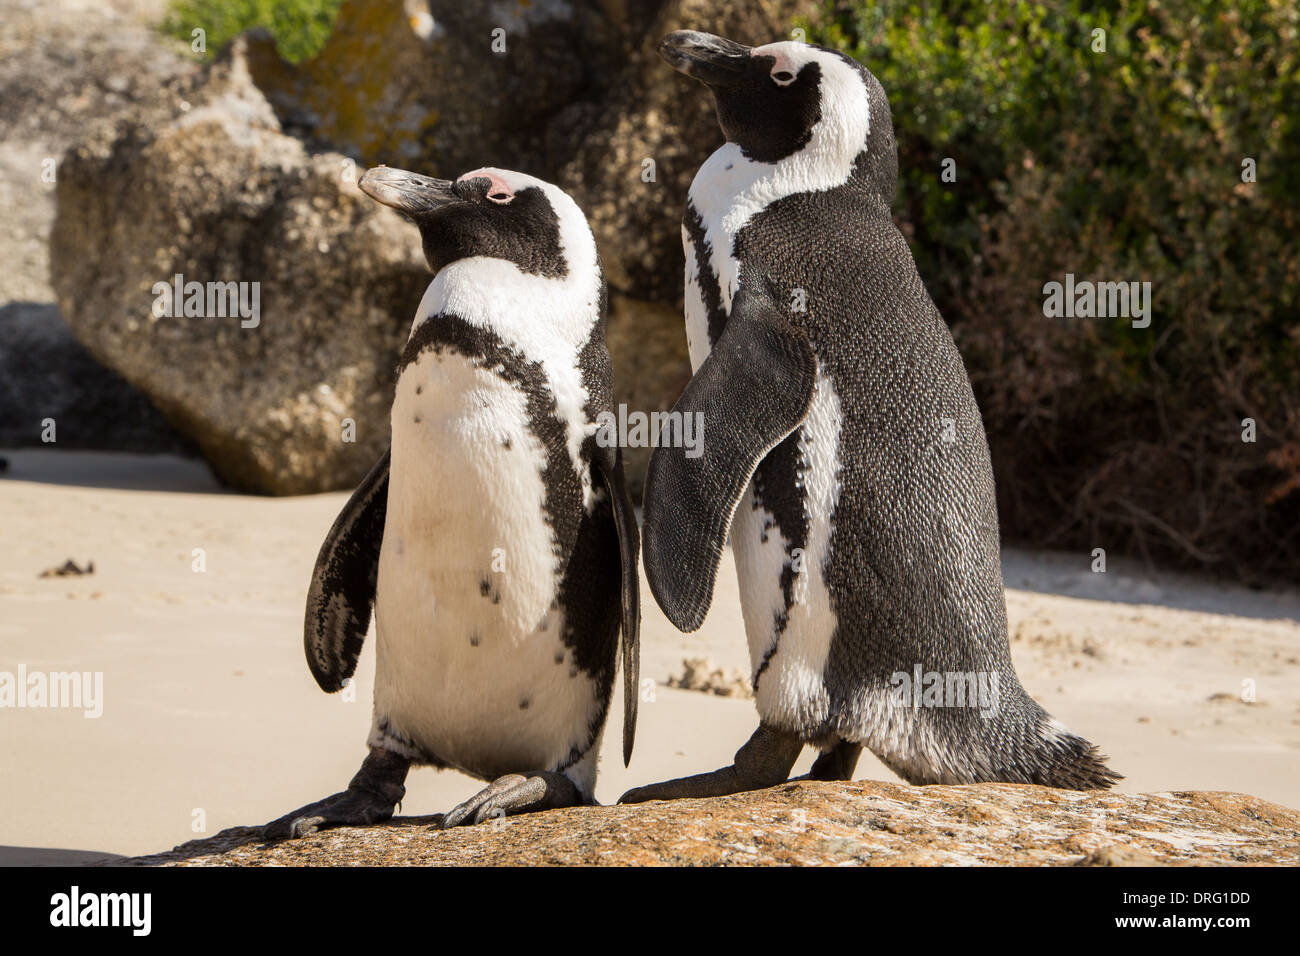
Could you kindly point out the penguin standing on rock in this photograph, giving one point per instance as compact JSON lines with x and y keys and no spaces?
{"x":843,"y":452}
{"x":495,"y":540}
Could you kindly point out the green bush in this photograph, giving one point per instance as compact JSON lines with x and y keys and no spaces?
{"x":300,"y":27}
{"x":1116,"y":165}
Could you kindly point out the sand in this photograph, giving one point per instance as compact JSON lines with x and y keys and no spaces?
{"x":210,"y":718}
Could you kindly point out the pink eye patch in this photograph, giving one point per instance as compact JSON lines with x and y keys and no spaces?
{"x":498,"y":185}
{"x":783,"y":62}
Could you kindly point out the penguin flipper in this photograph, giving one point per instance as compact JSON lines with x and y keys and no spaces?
{"x":609,"y":468}
{"x":343,"y":582}
{"x":753,"y":389}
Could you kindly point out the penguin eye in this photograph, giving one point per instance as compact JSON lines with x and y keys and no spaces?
{"x":782,"y":77}
{"x":500,"y":197}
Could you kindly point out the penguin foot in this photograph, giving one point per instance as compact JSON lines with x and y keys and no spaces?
{"x":764,"y":761}
{"x":371,"y":797}
{"x":516,"y":793}
{"x":348,"y":808}
{"x":838,"y":763}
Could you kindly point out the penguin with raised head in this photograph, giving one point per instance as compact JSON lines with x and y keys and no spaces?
{"x":495,"y":540}
{"x":843,"y":453}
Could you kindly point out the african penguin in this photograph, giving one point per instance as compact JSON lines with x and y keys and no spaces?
{"x":495,"y":540}
{"x":843,"y":452}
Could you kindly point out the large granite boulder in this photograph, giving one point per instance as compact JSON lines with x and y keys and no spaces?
{"x":291,"y":400}
{"x":813,"y":824}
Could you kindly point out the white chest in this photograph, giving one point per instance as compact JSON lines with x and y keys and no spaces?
{"x":470,"y":661}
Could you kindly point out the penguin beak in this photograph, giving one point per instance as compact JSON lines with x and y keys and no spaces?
{"x":405,"y":191}
{"x":713,"y":60}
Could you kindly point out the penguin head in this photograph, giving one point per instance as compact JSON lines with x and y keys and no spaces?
{"x":492,"y":213}
{"x":790,"y":99}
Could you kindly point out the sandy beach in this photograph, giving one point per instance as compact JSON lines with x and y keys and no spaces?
{"x":210,"y":718}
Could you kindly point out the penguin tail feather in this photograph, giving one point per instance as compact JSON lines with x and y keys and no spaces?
{"x":1068,"y":761}
{"x":1036,"y":748}
{"x":1083,"y":768}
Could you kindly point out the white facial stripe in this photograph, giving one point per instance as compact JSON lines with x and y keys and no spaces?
{"x":729,"y":189}
{"x":548,"y":320}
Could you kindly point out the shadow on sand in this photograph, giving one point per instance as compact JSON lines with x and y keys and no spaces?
{"x":121,"y":471}
{"x":1126,"y":581}
{"x":49,"y":856}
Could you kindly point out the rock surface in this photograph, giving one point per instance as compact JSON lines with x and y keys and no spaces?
{"x":805,"y":823}
{"x":702,"y":675}
{"x":62,"y":65}
{"x":213,"y":190}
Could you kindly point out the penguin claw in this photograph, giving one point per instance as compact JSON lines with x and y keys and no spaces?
{"x":483,"y":804}
{"x":305,"y":826}
{"x":515,"y":793}
{"x":348,"y":808}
